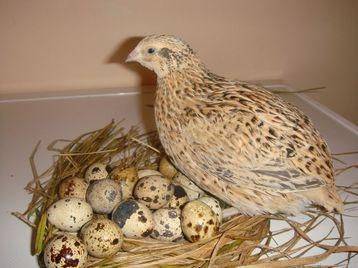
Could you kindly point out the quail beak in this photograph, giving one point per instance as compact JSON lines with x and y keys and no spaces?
{"x":133,"y":56}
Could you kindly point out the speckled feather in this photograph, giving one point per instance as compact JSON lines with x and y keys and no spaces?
{"x":236,"y":140}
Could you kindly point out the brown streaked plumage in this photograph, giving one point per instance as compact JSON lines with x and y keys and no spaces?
{"x":236,"y":140}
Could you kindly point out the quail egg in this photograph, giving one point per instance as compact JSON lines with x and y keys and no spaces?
{"x":166,"y":168}
{"x":179,"y":197}
{"x":73,"y":187}
{"x":214,"y":205}
{"x":134,"y":218}
{"x":127,"y":178}
{"x":104,"y":195}
{"x":69,"y":214}
{"x":193,"y":191}
{"x":96,"y":171}
{"x":198,"y":221}
{"x":65,"y":250}
{"x":167,"y":224}
{"x":154,"y":191}
{"x":147,"y":173}
{"x":102,"y":237}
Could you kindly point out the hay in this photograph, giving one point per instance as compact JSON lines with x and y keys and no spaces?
{"x":242,"y":240}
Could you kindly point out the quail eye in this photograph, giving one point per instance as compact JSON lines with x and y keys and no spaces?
{"x":151,"y":50}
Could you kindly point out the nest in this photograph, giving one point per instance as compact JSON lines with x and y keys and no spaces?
{"x":241,"y":241}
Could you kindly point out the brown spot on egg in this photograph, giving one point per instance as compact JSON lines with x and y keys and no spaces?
{"x":146,"y":233}
{"x":153,"y":188}
{"x":198,"y":228}
{"x":99,"y":226}
{"x":65,"y":254}
{"x":194,"y":238}
{"x":142,"y":218}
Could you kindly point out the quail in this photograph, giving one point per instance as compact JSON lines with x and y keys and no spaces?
{"x":234,"y":139}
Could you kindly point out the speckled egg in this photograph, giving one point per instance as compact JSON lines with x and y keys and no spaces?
{"x":198,"y":221}
{"x":96,"y":171}
{"x":127,"y":178}
{"x":134,"y":218}
{"x":214,"y":205}
{"x":154,"y":191}
{"x":193,"y":191}
{"x":147,"y":173}
{"x":73,"y":187}
{"x":102,"y":237}
{"x":167,"y":168}
{"x":65,"y":250}
{"x":69,"y":214}
{"x":179,"y":198}
{"x":167,"y":225}
{"x":104,"y":195}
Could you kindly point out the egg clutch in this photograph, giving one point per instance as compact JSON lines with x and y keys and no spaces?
{"x":94,"y":214}
{"x":113,"y":199}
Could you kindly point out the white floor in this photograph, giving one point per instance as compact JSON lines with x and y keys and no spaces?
{"x":26,"y":119}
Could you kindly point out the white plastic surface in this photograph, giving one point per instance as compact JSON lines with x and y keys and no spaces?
{"x":26,"y":119}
